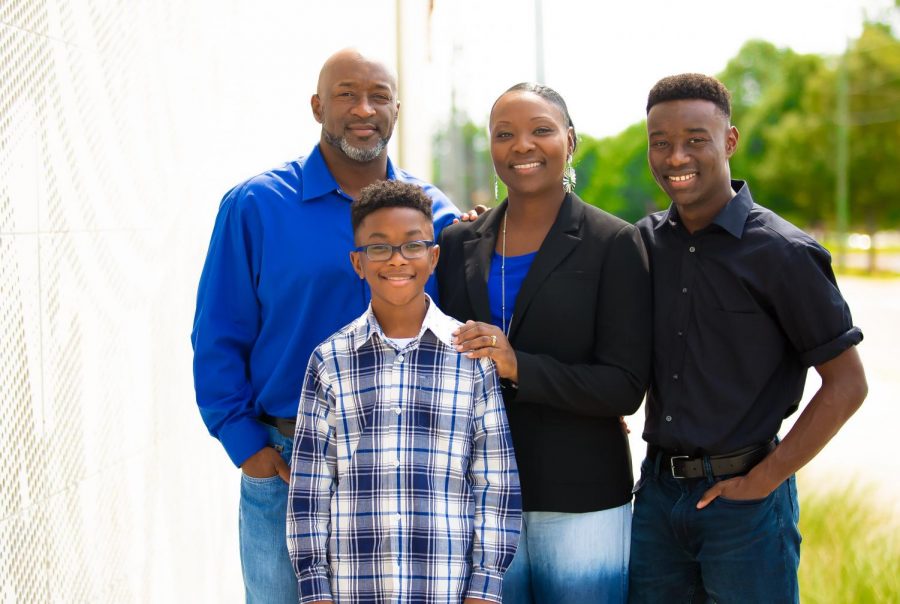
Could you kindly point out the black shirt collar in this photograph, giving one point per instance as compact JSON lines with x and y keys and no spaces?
{"x":731,"y":218}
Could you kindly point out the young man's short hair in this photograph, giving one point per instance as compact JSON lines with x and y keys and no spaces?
{"x":688,"y":86}
{"x":389,"y":194}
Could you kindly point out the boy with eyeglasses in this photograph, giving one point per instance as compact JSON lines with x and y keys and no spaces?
{"x":403,"y":479}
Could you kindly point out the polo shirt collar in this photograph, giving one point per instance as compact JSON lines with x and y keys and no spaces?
{"x":317,"y":178}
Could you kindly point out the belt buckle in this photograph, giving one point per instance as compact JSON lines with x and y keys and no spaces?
{"x":672,"y":464}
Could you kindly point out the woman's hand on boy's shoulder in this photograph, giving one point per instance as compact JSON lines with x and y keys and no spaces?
{"x":477,"y":340}
{"x":472,"y":215}
{"x":477,"y":601}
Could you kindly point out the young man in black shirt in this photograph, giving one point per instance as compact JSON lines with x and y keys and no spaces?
{"x":744,"y":304}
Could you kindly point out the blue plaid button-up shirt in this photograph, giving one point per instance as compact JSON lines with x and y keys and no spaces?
{"x":403,"y":479}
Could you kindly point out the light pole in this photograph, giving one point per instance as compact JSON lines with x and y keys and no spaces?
{"x":842,"y":168}
{"x":539,"y":41}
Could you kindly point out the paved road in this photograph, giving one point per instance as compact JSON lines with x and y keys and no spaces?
{"x":867,"y":450}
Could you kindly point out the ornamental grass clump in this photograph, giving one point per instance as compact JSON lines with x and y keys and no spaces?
{"x":851,"y":550}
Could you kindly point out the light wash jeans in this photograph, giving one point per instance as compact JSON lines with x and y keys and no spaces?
{"x":571,"y":558}
{"x":268,"y":574}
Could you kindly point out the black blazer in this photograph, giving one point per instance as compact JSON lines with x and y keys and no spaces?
{"x":581,"y":329}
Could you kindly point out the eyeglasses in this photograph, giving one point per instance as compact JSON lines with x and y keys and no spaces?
{"x":379,"y":252}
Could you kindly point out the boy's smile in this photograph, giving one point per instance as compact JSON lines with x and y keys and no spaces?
{"x":397,"y":283}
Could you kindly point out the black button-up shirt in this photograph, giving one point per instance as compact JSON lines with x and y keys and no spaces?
{"x":742,"y":309}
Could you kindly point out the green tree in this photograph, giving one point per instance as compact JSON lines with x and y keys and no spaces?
{"x":613,"y":174}
{"x":873,"y":76}
{"x":787,"y":109}
{"x":784,"y":127}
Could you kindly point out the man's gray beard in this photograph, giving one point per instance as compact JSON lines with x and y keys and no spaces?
{"x":355,"y":153}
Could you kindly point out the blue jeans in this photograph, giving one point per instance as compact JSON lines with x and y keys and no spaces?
{"x":571,"y":558}
{"x":268,"y":574}
{"x":730,"y":551}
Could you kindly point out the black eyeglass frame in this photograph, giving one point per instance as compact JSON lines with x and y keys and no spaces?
{"x":396,"y":248}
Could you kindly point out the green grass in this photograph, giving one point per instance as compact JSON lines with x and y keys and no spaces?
{"x":851,"y":547}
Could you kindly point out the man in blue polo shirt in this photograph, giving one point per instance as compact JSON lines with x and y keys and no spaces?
{"x":277,"y":281}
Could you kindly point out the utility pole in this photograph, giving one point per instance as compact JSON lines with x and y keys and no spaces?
{"x":401,"y":84}
{"x":842,"y":168}
{"x":539,"y":41}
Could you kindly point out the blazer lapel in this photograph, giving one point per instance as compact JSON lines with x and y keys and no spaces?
{"x":478,"y":252}
{"x":560,"y":241}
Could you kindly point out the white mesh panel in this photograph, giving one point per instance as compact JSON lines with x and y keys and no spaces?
{"x":122,"y":124}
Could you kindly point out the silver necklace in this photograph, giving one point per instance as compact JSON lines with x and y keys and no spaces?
{"x":503,"y":279}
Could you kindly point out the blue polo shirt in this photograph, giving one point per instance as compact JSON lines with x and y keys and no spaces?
{"x":277,"y":282}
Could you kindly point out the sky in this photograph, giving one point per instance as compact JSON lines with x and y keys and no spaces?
{"x":604,"y":57}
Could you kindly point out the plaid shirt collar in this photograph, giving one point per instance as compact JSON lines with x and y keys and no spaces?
{"x":439,"y":324}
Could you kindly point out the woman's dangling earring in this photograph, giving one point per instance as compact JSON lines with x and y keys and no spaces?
{"x":569,"y":177}
{"x":496,"y":187}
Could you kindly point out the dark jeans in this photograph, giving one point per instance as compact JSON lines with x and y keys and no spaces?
{"x":730,"y":551}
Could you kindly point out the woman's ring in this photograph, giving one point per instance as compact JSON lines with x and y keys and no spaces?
{"x":493,"y":341}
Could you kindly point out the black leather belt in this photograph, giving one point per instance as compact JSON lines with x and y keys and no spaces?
{"x":686,"y":466}
{"x":282,"y":424}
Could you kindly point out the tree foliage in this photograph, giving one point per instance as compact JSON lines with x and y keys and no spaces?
{"x":784,"y":128}
{"x":873,"y":73}
{"x":613,"y":174}
{"x":786,"y":107}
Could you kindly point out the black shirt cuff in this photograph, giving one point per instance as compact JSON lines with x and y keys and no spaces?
{"x":826,"y":352}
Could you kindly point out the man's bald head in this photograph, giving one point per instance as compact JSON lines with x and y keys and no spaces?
{"x":348,"y":58}
{"x":356,"y":103}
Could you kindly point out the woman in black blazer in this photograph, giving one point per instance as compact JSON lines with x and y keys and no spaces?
{"x":557,"y":293}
